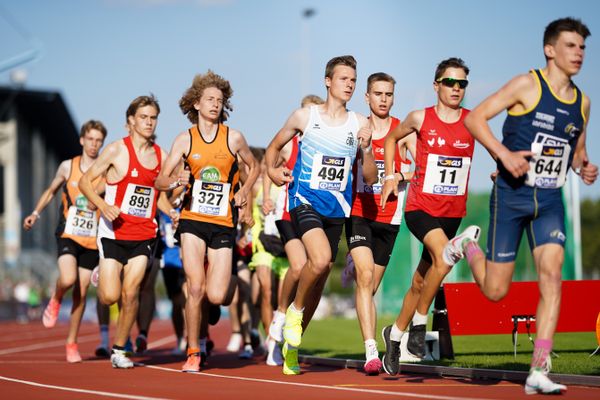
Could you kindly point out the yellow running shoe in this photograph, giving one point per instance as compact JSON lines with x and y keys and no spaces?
{"x":292,"y":330}
{"x":290,"y":360}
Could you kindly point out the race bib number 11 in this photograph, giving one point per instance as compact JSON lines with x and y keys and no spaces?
{"x":446,"y":175}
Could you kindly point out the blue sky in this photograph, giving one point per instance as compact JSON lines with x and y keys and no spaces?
{"x":101,"y":54}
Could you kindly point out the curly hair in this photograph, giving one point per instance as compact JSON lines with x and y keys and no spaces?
{"x":194,"y":93}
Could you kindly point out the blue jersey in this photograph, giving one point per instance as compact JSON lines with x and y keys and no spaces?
{"x":323,"y":170}
{"x":550,"y":129}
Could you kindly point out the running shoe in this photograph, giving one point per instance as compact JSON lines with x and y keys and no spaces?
{"x":348,"y":273}
{"x":95,"y":276}
{"x":391,"y":358}
{"x":290,"y":360}
{"x":373,"y":366}
{"x":538,"y":382}
{"x":119,"y":359}
{"x":247,"y":353}
{"x":73,"y":355}
{"x":453,"y":251}
{"x":292,"y":330}
{"x":235,"y":342}
{"x":416,"y":340}
{"x":102,"y":351}
{"x":274,"y":356}
{"x":276,"y":327}
{"x":51,"y":313}
{"x":141,"y":344}
{"x":192,"y":363}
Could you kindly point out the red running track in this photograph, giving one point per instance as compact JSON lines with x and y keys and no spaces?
{"x":33,"y":366}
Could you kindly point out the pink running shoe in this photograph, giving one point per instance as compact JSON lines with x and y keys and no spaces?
{"x":51,"y":313}
{"x":73,"y":355}
{"x":95,"y":276}
{"x":373,"y":366}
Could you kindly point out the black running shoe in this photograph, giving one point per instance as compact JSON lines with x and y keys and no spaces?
{"x":416,"y":340}
{"x":391,"y":358}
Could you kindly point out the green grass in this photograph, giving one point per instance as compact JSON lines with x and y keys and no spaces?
{"x":340,"y":338}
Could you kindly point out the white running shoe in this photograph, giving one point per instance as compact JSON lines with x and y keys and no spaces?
{"x":453,"y":251}
{"x":538,"y":382}
{"x":276,"y":327}
{"x":235,"y":342}
{"x":274,"y":356}
{"x":118,"y":359}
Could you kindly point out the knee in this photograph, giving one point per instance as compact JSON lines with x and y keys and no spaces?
{"x":216,"y":298}
{"x":295,"y":269}
{"x":496,"y":293}
{"x":364,"y":278}
{"x":129,"y":296}
{"x":67,"y":281}
{"x":108,"y":297}
{"x":320,"y":263}
{"x":196,"y":292}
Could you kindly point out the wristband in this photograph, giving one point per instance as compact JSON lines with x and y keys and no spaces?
{"x":37,"y":214}
{"x":390,"y":177}
{"x":175,"y":184}
{"x":369,"y":148}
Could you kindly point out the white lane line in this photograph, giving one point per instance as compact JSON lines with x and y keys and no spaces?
{"x":68,"y":389}
{"x":160,"y":342}
{"x":345,"y":389}
{"x":43,"y":345}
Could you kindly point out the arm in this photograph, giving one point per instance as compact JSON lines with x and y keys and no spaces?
{"x":406,"y":145}
{"x":60,"y":178}
{"x":581,"y":162}
{"x":294,"y":124}
{"x":411,"y":124}
{"x":165,"y":181}
{"x":99,"y":168}
{"x":240,"y":147}
{"x":369,"y":168}
{"x":514,"y":95}
{"x":268,"y":204}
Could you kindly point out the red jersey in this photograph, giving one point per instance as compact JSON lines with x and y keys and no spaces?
{"x":136,"y":196}
{"x":444,"y":153}
{"x":367,"y":197}
{"x":281,"y":207}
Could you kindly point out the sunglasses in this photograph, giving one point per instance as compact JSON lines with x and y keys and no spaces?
{"x":451,"y":82}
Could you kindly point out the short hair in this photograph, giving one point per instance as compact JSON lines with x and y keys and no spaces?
{"x":194,"y":93}
{"x":258,"y":152}
{"x":139,"y":102}
{"x":311,"y":99}
{"x":93,"y":124}
{"x":452,"y":62}
{"x":554,"y":28}
{"x":348,"y":61}
{"x":379,"y":77}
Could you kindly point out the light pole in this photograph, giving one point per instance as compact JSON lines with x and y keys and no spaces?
{"x":307,"y":13}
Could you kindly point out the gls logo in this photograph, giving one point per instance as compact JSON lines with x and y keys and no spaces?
{"x":451,"y":162}
{"x":340,"y":161}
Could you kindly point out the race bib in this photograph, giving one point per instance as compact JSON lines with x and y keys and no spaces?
{"x":81,"y":222}
{"x":330,"y":172}
{"x":270,"y":227}
{"x":138,"y":201}
{"x":210,"y":198}
{"x":446,"y":175}
{"x":548,"y":168}
{"x":362,"y":187}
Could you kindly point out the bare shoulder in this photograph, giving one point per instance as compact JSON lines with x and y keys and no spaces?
{"x":362,"y":120}
{"x":64,"y":168}
{"x":236,"y":140}
{"x":415,"y":118}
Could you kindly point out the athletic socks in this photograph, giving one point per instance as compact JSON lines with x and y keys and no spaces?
{"x":472,"y":250}
{"x":104,"y":336}
{"x":371,"y":349}
{"x":396,"y":333}
{"x":541,"y":351}
{"x":202,"y":345}
{"x":293,"y":307}
{"x":419,"y":319}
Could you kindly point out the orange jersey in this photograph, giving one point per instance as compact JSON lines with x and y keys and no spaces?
{"x":77,"y":222}
{"x":213,"y":181}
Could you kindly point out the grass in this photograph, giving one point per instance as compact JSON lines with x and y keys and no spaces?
{"x":340,"y":338}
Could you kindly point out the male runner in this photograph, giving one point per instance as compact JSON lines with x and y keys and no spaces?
{"x":76,"y":233}
{"x":320,"y":190}
{"x":436,"y":200}
{"x":370,"y":231}
{"x":127,"y":227}
{"x":209,"y":217}
{"x":543,"y":135}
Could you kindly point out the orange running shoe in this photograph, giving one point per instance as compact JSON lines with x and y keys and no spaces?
{"x":51,"y":313}
{"x":193,"y":361}
{"x":73,"y":355}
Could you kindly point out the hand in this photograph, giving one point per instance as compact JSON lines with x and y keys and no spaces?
{"x":389,"y":187}
{"x":184,"y":177}
{"x":29,"y":221}
{"x":174,"y":214}
{"x":364,"y":137}
{"x":280,"y":175}
{"x":91,"y":206}
{"x":267,"y":206}
{"x":588,"y":172}
{"x":494,"y":175}
{"x":245,"y":216}
{"x":516,"y":162}
{"x":240,"y":198}
{"x":242,"y":242}
{"x":111,"y":212}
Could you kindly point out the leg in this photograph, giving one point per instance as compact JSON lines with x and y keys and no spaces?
{"x":133,"y":273}
{"x":193,"y":250}
{"x":365,"y":267}
{"x":147,"y":305}
{"x":79,"y":298}
{"x":266,"y":310}
{"x":67,"y":276}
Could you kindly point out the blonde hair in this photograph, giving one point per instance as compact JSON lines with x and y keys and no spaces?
{"x":194,"y":93}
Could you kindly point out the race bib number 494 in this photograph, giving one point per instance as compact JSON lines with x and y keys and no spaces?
{"x":330,"y":172}
{"x":446,"y":175}
{"x":138,"y":201}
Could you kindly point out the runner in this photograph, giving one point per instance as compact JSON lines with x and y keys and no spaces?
{"x":543,"y":135}
{"x":76,"y":233}
{"x":436,"y":200}
{"x":209,"y":215}
{"x":370,"y":231}
{"x":127,"y":228}
{"x":320,"y":187}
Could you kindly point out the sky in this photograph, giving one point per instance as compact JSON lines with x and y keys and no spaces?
{"x":101,"y":54}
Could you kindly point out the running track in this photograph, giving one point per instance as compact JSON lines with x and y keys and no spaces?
{"x":32,"y":366}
